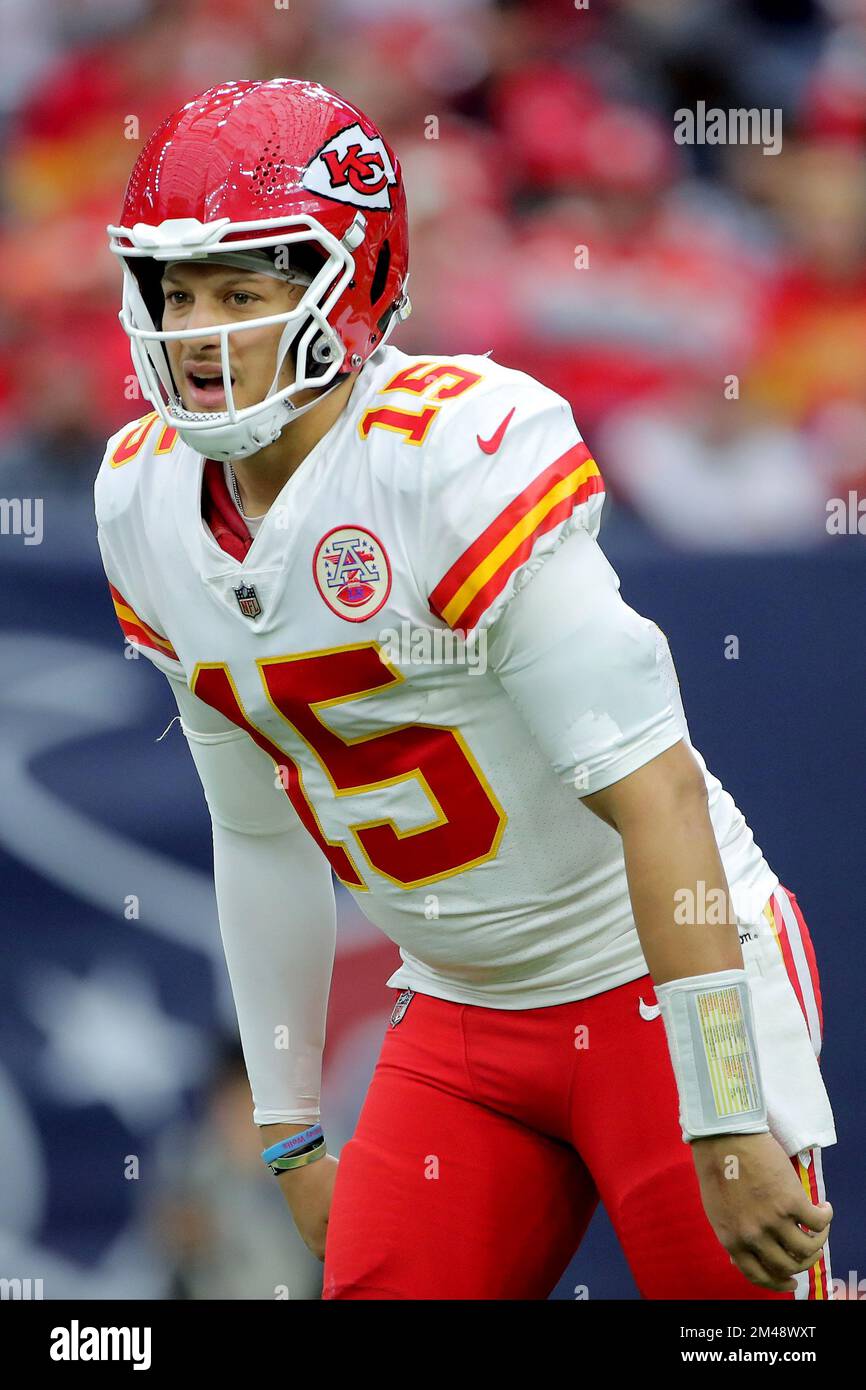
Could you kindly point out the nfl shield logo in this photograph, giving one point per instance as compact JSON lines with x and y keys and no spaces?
{"x":248,"y":600}
{"x":402,"y":1004}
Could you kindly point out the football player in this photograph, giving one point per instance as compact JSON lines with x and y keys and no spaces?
{"x":605,"y":992}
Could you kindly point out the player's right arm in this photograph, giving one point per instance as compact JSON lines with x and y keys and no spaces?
{"x":277,"y":918}
{"x":274,"y":890}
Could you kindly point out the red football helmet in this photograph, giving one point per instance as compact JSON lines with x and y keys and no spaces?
{"x":253,"y":166}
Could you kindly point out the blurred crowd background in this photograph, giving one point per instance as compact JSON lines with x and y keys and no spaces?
{"x":555,"y":221}
{"x":552,"y":130}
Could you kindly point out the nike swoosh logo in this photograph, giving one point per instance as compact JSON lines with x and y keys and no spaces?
{"x":492,"y":444}
{"x":649,"y":1010}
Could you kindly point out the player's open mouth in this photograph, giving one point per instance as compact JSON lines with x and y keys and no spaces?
{"x":204,"y":387}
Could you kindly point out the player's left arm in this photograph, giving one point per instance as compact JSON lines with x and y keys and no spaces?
{"x":582,"y":668}
{"x":662,"y":815}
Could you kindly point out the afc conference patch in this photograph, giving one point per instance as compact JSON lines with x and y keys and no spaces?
{"x":352,"y":572}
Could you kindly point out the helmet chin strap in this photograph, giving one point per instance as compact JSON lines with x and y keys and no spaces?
{"x":259,"y":433}
{"x":244,"y":440}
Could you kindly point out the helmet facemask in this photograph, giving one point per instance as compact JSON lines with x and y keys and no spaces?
{"x":318,"y":350}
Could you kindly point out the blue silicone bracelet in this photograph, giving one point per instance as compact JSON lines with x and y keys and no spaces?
{"x":294,"y":1141}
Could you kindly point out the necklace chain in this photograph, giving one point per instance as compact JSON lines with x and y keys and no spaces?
{"x":235,"y":489}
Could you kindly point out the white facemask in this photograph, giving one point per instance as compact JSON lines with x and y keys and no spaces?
{"x":238,"y":433}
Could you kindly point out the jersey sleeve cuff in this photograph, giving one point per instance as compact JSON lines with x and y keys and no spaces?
{"x":602,"y":772}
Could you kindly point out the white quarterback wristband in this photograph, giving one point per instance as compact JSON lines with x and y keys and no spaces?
{"x":711,"y":1035}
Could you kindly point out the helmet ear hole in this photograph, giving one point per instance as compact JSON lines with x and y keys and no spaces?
{"x":306,"y":257}
{"x":149,"y":272}
{"x":380,"y":274}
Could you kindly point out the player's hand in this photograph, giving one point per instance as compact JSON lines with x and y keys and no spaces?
{"x":308,"y":1193}
{"x":757,"y":1215}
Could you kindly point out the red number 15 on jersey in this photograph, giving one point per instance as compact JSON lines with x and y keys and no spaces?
{"x":467,"y":822}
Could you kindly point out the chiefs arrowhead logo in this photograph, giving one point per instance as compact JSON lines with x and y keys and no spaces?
{"x":353,"y":168}
{"x":363,"y":171}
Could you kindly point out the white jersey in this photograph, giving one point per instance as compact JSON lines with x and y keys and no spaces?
{"x":440,"y":488}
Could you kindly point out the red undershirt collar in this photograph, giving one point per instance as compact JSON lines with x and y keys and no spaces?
{"x":222,"y":516}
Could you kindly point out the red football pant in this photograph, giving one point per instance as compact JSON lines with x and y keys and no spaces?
{"x":488,"y":1137}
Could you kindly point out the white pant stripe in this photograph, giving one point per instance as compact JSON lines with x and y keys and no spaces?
{"x":822,"y":1197}
{"x":802,"y":1280}
{"x":801,"y":965}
